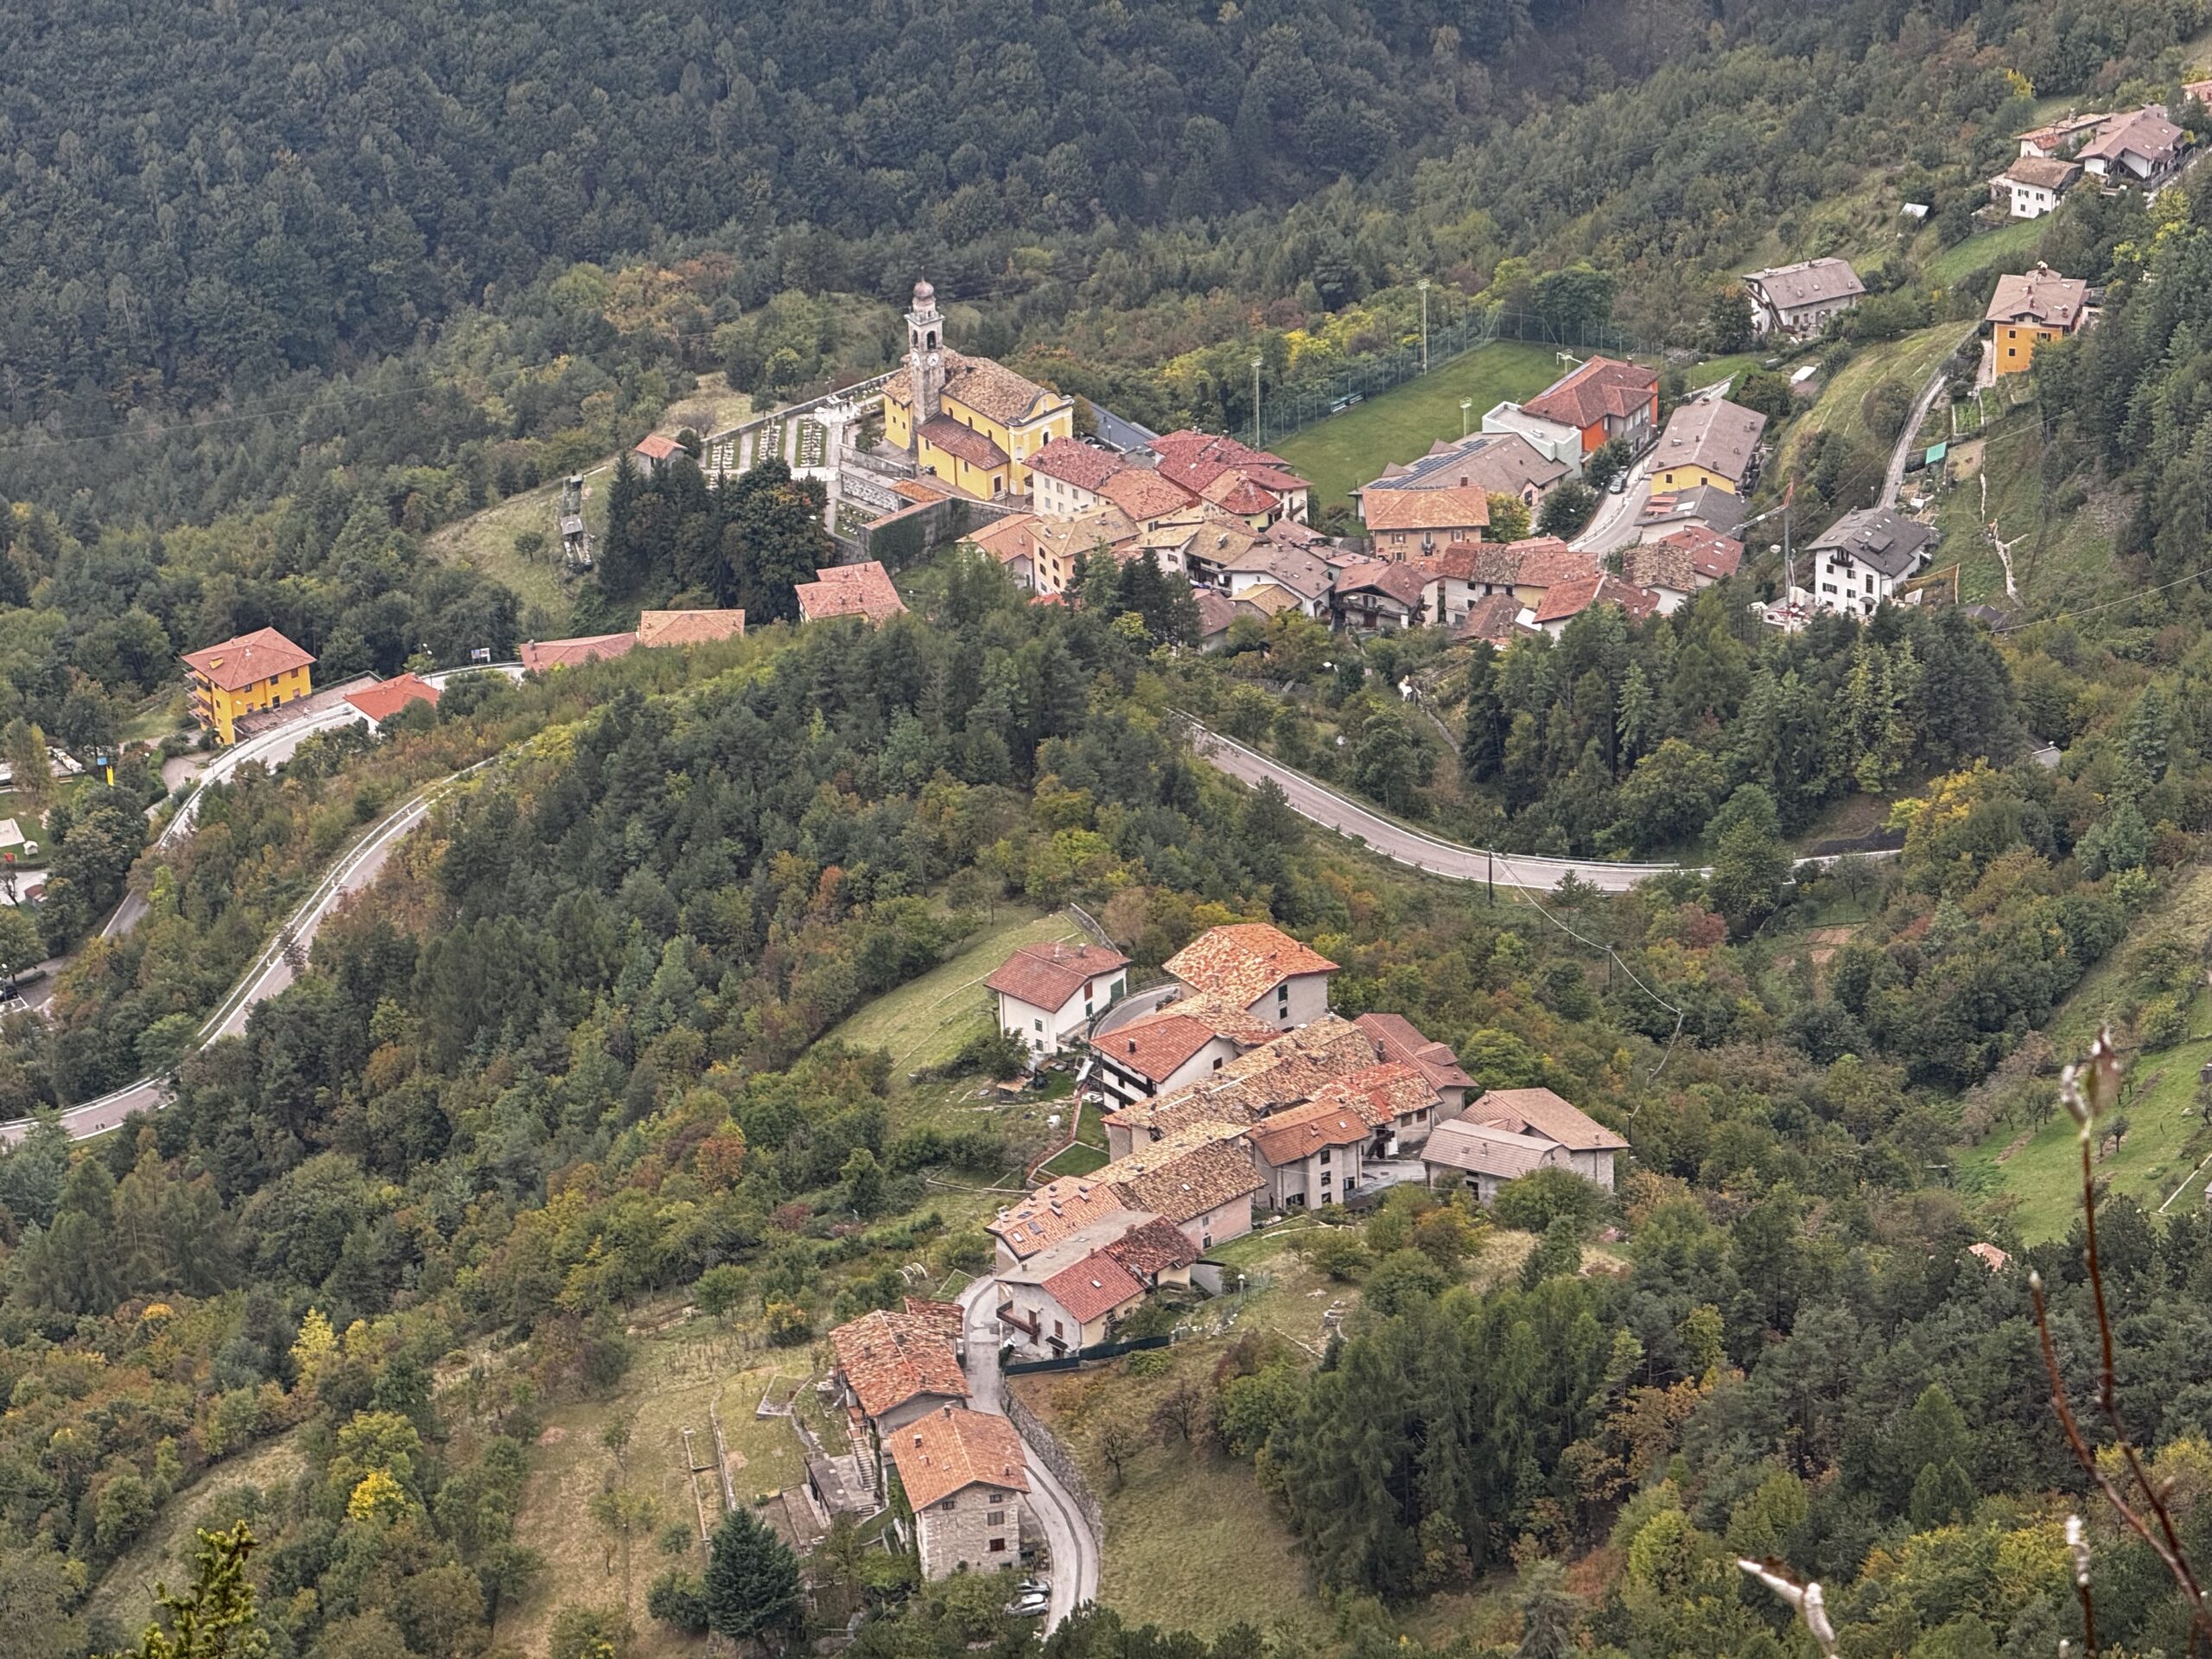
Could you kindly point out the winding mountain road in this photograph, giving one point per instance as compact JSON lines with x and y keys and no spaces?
{"x":1075,"y":1548}
{"x":272,"y":970}
{"x":1323,"y":805}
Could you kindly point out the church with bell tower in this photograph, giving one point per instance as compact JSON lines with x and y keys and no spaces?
{"x":968,"y":422}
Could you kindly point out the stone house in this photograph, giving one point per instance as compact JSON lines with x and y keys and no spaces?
{"x":966,"y":1477}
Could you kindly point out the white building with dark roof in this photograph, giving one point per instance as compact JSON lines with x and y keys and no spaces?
{"x":1865,"y":557}
{"x":1802,"y":299}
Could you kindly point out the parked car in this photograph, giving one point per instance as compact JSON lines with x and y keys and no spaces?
{"x":1035,"y":1586}
{"x":1620,"y":485}
{"x":1033,"y":1605}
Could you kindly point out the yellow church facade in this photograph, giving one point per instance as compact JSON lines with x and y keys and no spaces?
{"x":967,"y":421}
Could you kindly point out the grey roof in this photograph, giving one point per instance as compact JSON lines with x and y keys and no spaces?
{"x":1720,"y":437}
{"x":1888,"y":542}
{"x":1502,"y":462}
{"x":1810,"y":281}
{"x":1482,"y":1149}
{"x":1702,"y":504}
{"x":1122,"y":436}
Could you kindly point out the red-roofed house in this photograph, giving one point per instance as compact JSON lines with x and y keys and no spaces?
{"x":897,"y":1365}
{"x":1068,"y":1297}
{"x":1257,"y":968}
{"x":861,"y":589}
{"x":963,"y":1474}
{"x":1379,"y":594}
{"x":663,"y":628}
{"x":1048,"y":993}
{"x":380,"y":702}
{"x":1067,"y":475}
{"x":1173,"y":1046}
{"x":655,"y":453}
{"x":1311,"y":1155}
{"x":1264,"y":489}
{"x":1396,"y":1038}
{"x":1408,"y":524}
{"x":1564,"y":601}
{"x":1602,"y":399}
{"x":1145,"y":496}
{"x":539,"y":655}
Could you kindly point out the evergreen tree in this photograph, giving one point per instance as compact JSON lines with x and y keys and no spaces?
{"x":216,"y":1618}
{"x":752,"y":1582}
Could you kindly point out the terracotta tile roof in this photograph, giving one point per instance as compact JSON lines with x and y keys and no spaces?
{"x":1054,"y":1211}
{"x":1093,"y":1288}
{"x":1486,"y":1150}
{"x":1153,"y":1045}
{"x":1289,"y":533}
{"x":1397,"y":1037}
{"x":1184,"y":1175}
{"x":1599,"y":388}
{"x":2041,"y":297}
{"x":1244,"y":961}
{"x":1720,"y":437}
{"x":1713,"y":555}
{"x":1495,"y":617}
{"x":2059,"y":131}
{"x":1197,"y":461}
{"x":690,"y":628}
{"x":1446,"y":509}
{"x":1664,"y":564}
{"x":1072,"y":461}
{"x":539,"y":655}
{"x":1289,"y":1071}
{"x":1215,"y":612}
{"x":990,"y":389}
{"x":891,"y":1358}
{"x":1052,"y":975}
{"x":1304,"y":1130}
{"x":1157,"y":1247}
{"x":1570,"y":599}
{"x":963,"y":442}
{"x":248,"y":659}
{"x":1009,"y":539}
{"x":1268,"y":600}
{"x":1404,"y":583}
{"x":1305,"y":573}
{"x":1541,"y":561}
{"x":1383,"y":1092}
{"x":1810,"y":281}
{"x":949,"y":1450}
{"x":659,"y":447}
{"x":948,"y":1319}
{"x":1236,"y":493}
{"x":1103,"y":526}
{"x":863,"y":589}
{"x":380,"y":702}
{"x":1144,"y":494}
{"x":1544,"y":1113}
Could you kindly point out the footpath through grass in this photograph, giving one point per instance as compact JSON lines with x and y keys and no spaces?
{"x":1343,"y":452}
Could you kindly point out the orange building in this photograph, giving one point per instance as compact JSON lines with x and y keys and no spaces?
{"x":2025,"y":311}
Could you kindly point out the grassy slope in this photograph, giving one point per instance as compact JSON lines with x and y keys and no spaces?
{"x":2055,"y":555}
{"x":1910,"y":360}
{"x":668,"y":1389}
{"x":1342,"y":453}
{"x":163,"y":1552}
{"x":2165,"y":1143}
{"x":2014,"y":244}
{"x":925,"y":1020}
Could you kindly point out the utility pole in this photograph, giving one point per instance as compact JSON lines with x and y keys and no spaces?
{"x":1423,"y":286}
{"x":1256,"y":442}
{"x":1467,"y":412}
{"x":1490,"y":865}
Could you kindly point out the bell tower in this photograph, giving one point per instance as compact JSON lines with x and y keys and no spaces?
{"x":925,"y":354}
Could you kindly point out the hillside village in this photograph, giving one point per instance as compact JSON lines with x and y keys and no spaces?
{"x":1233,"y":1096}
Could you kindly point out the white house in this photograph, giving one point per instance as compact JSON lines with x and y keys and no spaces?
{"x":1802,"y":299}
{"x":2134,"y":148}
{"x":2031,"y":187}
{"x":1259,"y":969}
{"x":1865,"y":557}
{"x":1048,"y":993}
{"x":1555,"y":440}
{"x":1156,"y":1053}
{"x":378,"y":703}
{"x":1071,"y":1295}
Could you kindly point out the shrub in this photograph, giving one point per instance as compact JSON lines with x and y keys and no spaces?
{"x":1531,"y":1204}
{"x":678,"y":1598}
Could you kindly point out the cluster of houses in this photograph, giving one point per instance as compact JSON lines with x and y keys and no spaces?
{"x":1242,"y":1090}
{"x":655,"y":629}
{"x":249,"y":684}
{"x":2141,"y":147}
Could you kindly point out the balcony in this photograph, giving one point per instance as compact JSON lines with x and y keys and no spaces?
{"x":1013,"y":1320}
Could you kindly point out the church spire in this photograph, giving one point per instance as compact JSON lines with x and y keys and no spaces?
{"x":925,"y":354}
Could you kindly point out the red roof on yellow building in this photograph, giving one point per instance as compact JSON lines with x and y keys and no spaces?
{"x":248,"y":660}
